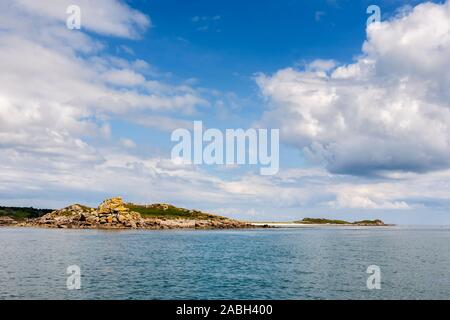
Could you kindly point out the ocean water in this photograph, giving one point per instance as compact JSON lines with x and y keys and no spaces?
{"x":306,"y":263}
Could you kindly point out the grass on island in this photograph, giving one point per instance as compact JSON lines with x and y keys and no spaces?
{"x":161,"y":211}
{"x":171,"y":212}
{"x":376,"y":221}
{"x":322,"y":221}
{"x":23,"y":213}
{"x":329,"y":221}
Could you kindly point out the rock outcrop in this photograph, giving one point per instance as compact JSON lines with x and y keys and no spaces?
{"x":7,"y":221}
{"x":157,"y":223}
{"x":111,"y":214}
{"x":115,"y":214}
{"x":113,"y":206}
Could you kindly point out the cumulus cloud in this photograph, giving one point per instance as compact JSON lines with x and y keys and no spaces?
{"x":127,"y":143}
{"x":108,"y":17}
{"x":58,"y":86}
{"x":387,"y":111}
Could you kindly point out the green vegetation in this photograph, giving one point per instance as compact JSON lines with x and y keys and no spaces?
{"x":322,"y":221}
{"x":170,"y":212}
{"x":376,"y":222}
{"x":147,"y":211}
{"x":370,"y":222}
{"x":23,"y":213}
{"x":83,"y":207}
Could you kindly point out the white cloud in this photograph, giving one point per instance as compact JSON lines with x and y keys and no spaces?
{"x":321,"y":65}
{"x":390,"y":110}
{"x":207,"y":22}
{"x":162,"y":123}
{"x":57,"y":86}
{"x":124,"y":77}
{"x":109,"y":17}
{"x":59,"y":89}
{"x":362,"y":199}
{"x":127,"y":143}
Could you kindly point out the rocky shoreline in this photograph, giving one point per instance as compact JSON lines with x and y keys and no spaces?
{"x":114,"y":214}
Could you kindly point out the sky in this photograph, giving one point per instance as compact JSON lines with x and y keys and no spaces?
{"x":363,"y":110}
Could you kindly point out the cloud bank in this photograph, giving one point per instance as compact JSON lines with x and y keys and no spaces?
{"x":387,"y":111}
{"x":59,"y":87}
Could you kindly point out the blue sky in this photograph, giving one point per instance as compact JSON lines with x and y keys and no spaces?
{"x":232,"y":40}
{"x":362,"y":111}
{"x":223,"y":45}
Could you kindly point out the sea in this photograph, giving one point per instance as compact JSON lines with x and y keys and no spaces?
{"x":400,"y":262}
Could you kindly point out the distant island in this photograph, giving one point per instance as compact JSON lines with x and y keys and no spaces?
{"x":317,"y":222}
{"x":375,"y":222}
{"x":114,"y":213}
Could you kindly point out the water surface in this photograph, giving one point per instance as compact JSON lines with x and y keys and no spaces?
{"x":306,"y":263}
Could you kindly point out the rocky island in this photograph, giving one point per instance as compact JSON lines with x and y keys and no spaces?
{"x":115,"y":214}
{"x":321,"y":221}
